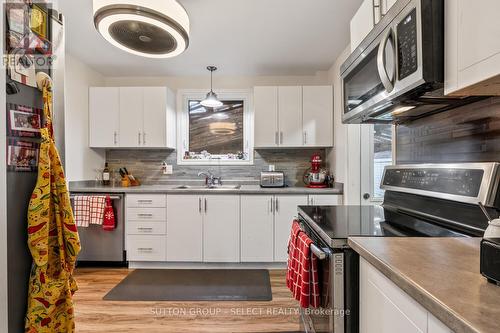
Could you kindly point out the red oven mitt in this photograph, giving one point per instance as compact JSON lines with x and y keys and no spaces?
{"x":109,"y":223}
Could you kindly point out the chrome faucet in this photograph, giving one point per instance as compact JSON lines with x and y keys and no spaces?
{"x":210,"y":179}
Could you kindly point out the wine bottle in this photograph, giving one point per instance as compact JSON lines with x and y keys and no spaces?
{"x":106,"y":175}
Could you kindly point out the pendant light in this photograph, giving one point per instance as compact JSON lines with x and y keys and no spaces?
{"x":211,"y":101}
{"x":147,"y":28}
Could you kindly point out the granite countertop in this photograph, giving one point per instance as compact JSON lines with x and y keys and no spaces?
{"x":442,"y":274}
{"x":90,"y":187}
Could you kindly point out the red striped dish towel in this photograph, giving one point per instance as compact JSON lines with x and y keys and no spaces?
{"x":81,"y":210}
{"x":302,"y":273}
{"x":292,"y":263}
{"x":97,"y":205}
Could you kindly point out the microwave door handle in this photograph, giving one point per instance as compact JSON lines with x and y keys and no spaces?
{"x":382,"y":71}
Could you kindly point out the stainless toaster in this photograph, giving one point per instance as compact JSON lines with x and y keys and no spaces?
{"x":272,"y":179}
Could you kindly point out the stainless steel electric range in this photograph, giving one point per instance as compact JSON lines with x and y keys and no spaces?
{"x":433,"y":200}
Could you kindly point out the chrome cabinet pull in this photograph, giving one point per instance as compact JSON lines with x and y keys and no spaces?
{"x":145,"y":215}
{"x":305,"y":137}
{"x":146,"y":230}
{"x":199,"y":205}
{"x":144,"y":201}
{"x":115,"y":138}
{"x":272,"y":205}
{"x":276,"y":138}
{"x":139,"y":138}
{"x":145,"y":249}
{"x":281,"y":137}
{"x":206,"y":205}
{"x":144,"y":138}
{"x":276,"y":205}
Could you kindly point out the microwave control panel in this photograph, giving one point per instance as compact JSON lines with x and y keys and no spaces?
{"x":407,"y":45}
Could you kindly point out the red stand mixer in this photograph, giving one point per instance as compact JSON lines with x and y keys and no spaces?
{"x":316,"y":176}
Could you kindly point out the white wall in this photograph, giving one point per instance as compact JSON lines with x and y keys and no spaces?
{"x":3,"y":198}
{"x":227,"y":82}
{"x":345,"y":157}
{"x":81,"y":161}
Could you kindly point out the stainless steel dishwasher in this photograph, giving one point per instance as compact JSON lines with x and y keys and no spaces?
{"x":104,"y":246}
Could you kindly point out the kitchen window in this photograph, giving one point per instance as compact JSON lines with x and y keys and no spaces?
{"x":215,"y":136}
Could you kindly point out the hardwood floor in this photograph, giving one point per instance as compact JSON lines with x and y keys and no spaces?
{"x":95,"y":315}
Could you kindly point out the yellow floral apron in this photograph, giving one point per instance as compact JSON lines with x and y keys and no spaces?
{"x":52,"y":240}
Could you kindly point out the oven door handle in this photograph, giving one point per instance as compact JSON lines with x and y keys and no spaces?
{"x":321,"y":254}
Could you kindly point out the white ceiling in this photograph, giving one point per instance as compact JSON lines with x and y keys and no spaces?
{"x":241,"y":37}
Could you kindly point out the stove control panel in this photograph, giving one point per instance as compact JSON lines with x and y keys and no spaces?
{"x":466,"y":182}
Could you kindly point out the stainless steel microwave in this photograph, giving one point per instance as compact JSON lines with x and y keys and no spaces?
{"x":397,"y":72}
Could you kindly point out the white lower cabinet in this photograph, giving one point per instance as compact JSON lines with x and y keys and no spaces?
{"x":184,"y":228}
{"x":257,"y":228}
{"x":385,"y":308}
{"x":221,"y":228}
{"x":325,"y":199}
{"x":285,"y":211}
{"x":146,"y":248}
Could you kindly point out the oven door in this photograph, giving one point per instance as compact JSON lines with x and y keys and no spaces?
{"x":330,"y":317}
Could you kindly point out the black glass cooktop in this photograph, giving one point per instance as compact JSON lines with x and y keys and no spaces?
{"x":336,"y":223}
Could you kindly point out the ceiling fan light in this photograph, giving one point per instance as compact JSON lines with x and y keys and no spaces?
{"x":147,"y":28}
{"x":211,"y":101}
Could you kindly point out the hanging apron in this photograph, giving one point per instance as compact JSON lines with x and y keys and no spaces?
{"x":52,"y":240}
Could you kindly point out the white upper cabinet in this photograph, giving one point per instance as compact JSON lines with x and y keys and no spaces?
{"x":132,"y":117}
{"x":290,"y":116}
{"x":266,"y":116}
{"x":472,"y":47}
{"x":104,"y":117}
{"x":362,"y":23}
{"x":293,"y":116}
{"x":318,"y":116}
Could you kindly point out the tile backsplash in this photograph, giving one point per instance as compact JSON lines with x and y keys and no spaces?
{"x":146,"y":165}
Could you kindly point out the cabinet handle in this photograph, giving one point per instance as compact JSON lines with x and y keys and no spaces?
{"x":281,"y":137}
{"x":312,"y":201}
{"x":276,"y":138}
{"x":199,"y":205}
{"x":139,"y":138}
{"x":145,"y":249}
{"x":144,"y":201}
{"x":276,"y":205}
{"x":115,"y":138}
{"x":272,"y":205}
{"x":145,"y":215}
{"x":206,"y":205}
{"x":145,"y":229}
{"x":305,"y":137}
{"x":144,"y":138}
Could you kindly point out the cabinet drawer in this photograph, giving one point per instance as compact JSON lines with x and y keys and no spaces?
{"x":146,"y":248}
{"x":146,"y":228}
{"x":146,"y":214}
{"x":146,"y":200}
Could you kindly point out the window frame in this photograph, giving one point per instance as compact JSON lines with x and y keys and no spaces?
{"x":185,"y":95}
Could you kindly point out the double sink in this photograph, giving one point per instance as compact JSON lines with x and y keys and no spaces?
{"x":204,"y":187}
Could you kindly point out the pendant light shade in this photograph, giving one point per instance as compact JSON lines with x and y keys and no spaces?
{"x":211,"y":101}
{"x":148,"y":28}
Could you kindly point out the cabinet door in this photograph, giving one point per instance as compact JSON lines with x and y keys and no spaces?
{"x":318,"y":116}
{"x":266,"y":116}
{"x":325,"y":200}
{"x":131,"y":117}
{"x":285,"y":212}
{"x":184,"y":228}
{"x":384,"y":308}
{"x":221,"y":228}
{"x":257,"y":228}
{"x":478,"y":42}
{"x":155,"y":113}
{"x":290,"y":116}
{"x":104,"y":117}
{"x":362,"y":23}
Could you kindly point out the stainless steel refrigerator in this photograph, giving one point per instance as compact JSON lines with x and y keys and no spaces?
{"x":21,"y":184}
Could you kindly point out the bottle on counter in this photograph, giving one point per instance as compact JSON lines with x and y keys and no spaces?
{"x":106,"y":175}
